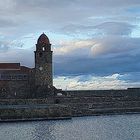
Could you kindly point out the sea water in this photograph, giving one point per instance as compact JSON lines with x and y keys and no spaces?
{"x":115,"y":127}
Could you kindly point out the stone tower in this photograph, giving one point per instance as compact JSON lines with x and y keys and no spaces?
{"x":43,"y":62}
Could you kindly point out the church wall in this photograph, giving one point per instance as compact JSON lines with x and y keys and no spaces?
{"x":14,"y":84}
{"x":14,"y":89}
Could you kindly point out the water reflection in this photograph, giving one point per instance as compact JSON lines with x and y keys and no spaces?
{"x":44,"y":131}
{"x":121,"y":127}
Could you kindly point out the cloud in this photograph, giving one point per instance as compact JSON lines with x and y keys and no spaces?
{"x":116,"y":45}
{"x":96,"y":36}
{"x":72,"y":47}
{"x":13,"y":52}
{"x":115,"y":28}
{"x":98,"y":56}
{"x":4,"y":46}
{"x":95,"y":82}
{"x":6,"y":23}
{"x":25,"y":57}
{"x":105,"y":28}
{"x":53,"y":14}
{"x":130,"y":77}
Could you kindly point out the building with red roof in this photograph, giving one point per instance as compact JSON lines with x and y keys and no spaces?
{"x":18,"y":81}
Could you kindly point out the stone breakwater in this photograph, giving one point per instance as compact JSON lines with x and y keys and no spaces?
{"x":102,"y":102}
{"x":75,"y":103}
{"x":33,"y":112}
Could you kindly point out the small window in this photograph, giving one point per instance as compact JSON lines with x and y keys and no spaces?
{"x":20,"y":77}
{"x":40,"y":54}
{"x":3,"y":89}
{"x":57,"y":101}
{"x":13,"y":77}
{"x":59,"y":94}
{"x":25,"y":77}
{"x":43,"y":48}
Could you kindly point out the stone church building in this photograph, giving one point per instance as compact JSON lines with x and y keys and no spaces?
{"x":18,"y":81}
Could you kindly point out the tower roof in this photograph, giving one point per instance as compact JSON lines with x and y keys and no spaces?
{"x":43,"y":39}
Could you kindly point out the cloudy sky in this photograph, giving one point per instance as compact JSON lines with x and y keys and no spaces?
{"x":96,"y":43}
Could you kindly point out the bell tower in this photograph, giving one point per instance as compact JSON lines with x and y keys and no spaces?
{"x":43,"y":61}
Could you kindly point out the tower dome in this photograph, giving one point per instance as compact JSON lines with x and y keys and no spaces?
{"x":43,"y":39}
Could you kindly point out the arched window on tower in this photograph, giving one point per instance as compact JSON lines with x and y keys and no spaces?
{"x":43,"y":48}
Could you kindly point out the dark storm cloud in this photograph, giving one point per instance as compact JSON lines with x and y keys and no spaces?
{"x":104,"y":66}
{"x":115,"y":45}
{"x":116,"y":56}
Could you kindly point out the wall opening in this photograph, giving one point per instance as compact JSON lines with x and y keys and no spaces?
{"x":40,"y":54}
{"x":43,"y":48}
{"x":3,"y":90}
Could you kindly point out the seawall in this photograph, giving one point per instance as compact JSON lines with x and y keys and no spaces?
{"x":34,"y":112}
{"x":102,"y":102}
{"x":75,"y":103}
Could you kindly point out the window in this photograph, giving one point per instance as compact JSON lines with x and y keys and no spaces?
{"x":14,"y":77}
{"x":43,"y":48}
{"x":3,"y":90}
{"x":25,"y":77}
{"x":40,"y":54}
{"x":19,"y":77}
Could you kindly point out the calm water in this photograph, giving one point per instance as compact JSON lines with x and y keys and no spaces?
{"x":121,"y":127}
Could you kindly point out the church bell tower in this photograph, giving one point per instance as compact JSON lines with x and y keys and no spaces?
{"x":43,"y":62}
